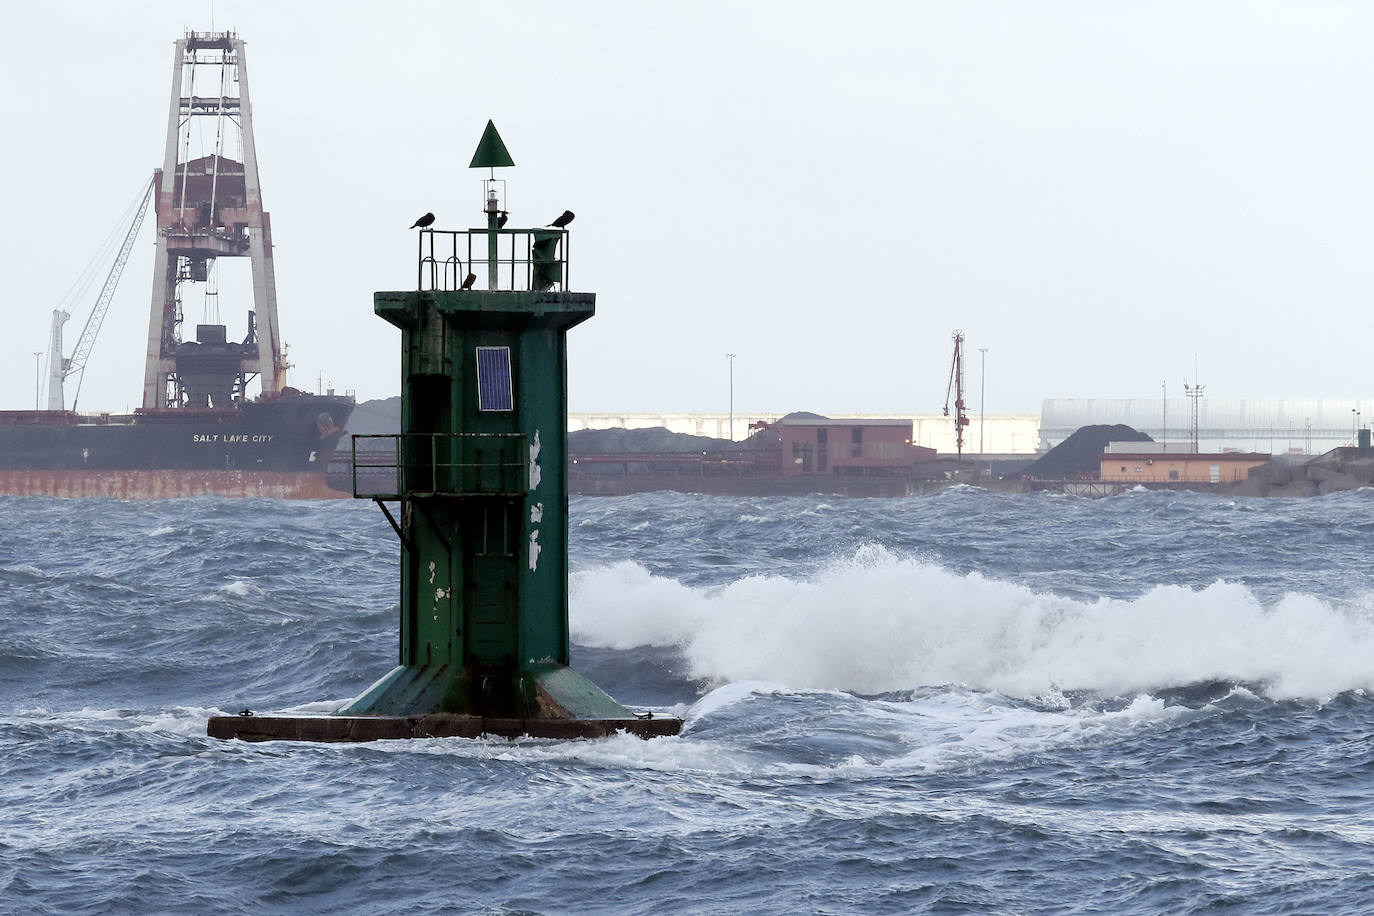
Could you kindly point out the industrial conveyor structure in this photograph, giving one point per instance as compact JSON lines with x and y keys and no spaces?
{"x":210,"y":207}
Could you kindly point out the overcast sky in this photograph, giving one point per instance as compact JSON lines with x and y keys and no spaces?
{"x":1093,"y":191}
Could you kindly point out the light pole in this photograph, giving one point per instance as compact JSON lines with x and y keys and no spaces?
{"x":731,"y":357}
{"x":983,"y":402}
{"x":37,"y":377}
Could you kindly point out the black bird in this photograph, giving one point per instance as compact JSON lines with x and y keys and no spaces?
{"x":501,"y":220}
{"x":471,"y":279}
{"x":563,"y":220}
{"x":423,"y":222}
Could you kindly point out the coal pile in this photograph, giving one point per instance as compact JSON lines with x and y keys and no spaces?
{"x":657,"y":439}
{"x":654,"y":439}
{"x":1081,"y":453}
{"x":381,"y":417}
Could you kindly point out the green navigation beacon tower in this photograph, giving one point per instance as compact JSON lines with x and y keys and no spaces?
{"x":479,"y":473}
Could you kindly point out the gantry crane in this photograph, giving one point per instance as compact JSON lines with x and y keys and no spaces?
{"x":210,"y":207}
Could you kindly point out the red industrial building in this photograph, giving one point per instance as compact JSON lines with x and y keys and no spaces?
{"x":847,"y":447}
{"x":793,"y":455}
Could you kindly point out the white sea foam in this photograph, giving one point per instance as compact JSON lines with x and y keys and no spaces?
{"x":618,"y":752}
{"x":955,"y":730}
{"x":179,"y":720}
{"x":932,"y":734}
{"x":316,"y":708}
{"x":240,"y":588}
{"x":729,"y":695}
{"x":622,"y":606}
{"x":876,"y":622}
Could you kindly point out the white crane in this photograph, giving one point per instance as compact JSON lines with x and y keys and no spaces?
{"x":58,"y":367}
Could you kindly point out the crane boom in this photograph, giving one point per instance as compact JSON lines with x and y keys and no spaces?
{"x":82,"y":352}
{"x":956,"y":389}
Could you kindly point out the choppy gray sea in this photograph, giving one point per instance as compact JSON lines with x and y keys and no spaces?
{"x":962,"y":702}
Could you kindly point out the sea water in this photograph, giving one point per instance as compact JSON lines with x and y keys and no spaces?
{"x":959,"y":702}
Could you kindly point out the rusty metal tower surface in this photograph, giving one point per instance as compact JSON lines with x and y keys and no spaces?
{"x":479,"y":475}
{"x":210,"y":207}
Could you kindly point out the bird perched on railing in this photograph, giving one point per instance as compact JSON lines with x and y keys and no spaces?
{"x":423,"y":222}
{"x":563,"y":220}
{"x":501,"y":219}
{"x":469,"y":280}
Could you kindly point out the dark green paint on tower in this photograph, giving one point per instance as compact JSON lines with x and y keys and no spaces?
{"x":479,"y":474}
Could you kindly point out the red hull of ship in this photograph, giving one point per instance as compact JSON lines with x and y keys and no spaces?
{"x":114,"y":484}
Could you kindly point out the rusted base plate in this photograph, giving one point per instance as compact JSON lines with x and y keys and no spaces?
{"x":433,"y":725}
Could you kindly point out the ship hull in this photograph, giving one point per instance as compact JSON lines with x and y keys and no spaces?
{"x":277,"y":448}
{"x":167,"y":484}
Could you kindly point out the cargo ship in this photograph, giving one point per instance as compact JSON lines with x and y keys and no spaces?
{"x":201,"y":428}
{"x":276,"y":447}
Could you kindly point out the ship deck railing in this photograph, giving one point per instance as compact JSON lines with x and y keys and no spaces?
{"x":448,"y":256}
{"x":409,"y":465}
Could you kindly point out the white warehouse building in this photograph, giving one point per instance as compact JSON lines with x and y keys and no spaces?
{"x":1270,"y":426}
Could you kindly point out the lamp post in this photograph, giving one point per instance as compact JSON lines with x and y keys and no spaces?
{"x":37,"y":378}
{"x":1164,"y":428}
{"x":731,"y":358}
{"x":982,"y":402}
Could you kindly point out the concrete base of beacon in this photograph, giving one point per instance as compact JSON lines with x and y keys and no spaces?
{"x":430,"y":725}
{"x":440,"y":702}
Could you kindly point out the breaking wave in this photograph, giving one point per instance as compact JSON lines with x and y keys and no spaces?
{"x":876,"y":622}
